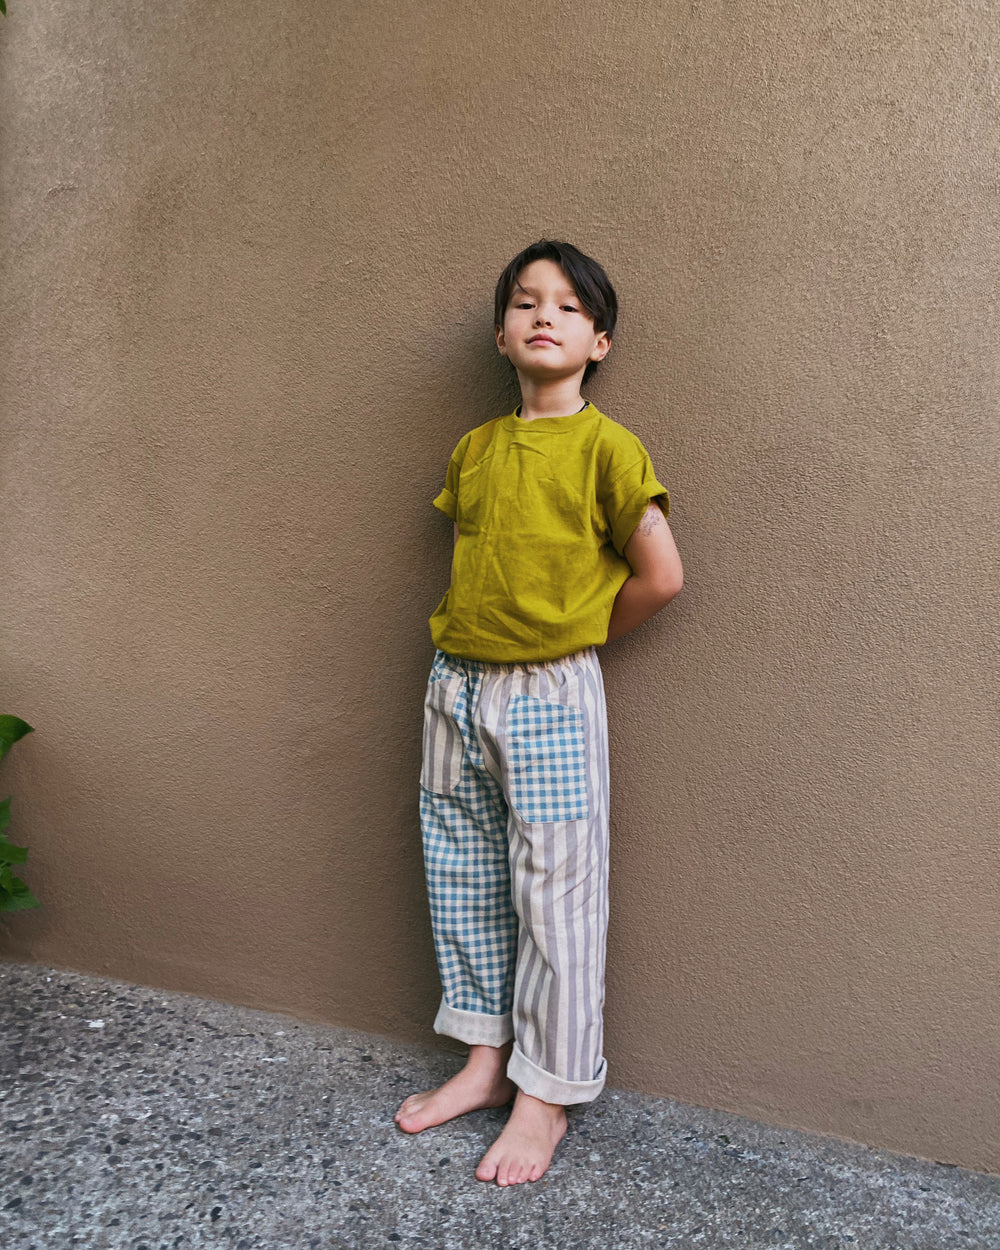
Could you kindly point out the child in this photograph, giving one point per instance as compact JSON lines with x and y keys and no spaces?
{"x":561,"y":544}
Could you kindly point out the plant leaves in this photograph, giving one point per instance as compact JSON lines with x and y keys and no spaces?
{"x":18,"y":897}
{"x":12,"y":727}
{"x":11,"y":854}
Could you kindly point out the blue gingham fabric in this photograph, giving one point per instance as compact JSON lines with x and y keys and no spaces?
{"x":546,"y":760}
{"x":465,"y":853}
{"x":468,"y":888}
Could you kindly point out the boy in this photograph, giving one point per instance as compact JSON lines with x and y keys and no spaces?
{"x":561,"y":544}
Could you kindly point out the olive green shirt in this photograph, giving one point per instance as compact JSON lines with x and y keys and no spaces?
{"x":544,"y":509}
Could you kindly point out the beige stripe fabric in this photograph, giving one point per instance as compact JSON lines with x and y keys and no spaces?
{"x":514,"y":810}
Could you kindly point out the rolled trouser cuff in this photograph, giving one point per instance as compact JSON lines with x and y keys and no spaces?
{"x":476,"y":1028}
{"x":533,"y":1080}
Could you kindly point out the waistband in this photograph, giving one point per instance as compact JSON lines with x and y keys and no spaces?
{"x":588,"y":655}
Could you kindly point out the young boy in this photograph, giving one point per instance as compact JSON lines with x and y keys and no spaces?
{"x":561,"y":544}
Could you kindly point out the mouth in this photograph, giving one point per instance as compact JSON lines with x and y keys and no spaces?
{"x":543,"y":338}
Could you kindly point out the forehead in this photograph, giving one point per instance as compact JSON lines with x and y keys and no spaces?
{"x":544,"y":275}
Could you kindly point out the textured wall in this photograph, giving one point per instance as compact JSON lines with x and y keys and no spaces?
{"x":248,"y":262}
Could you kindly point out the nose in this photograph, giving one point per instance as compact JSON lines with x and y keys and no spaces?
{"x":542,"y":317}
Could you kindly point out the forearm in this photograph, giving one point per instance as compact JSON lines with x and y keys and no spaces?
{"x":638,"y":600}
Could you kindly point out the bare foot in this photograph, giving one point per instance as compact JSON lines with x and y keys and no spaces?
{"x":483,"y":1082}
{"x":524,"y":1149}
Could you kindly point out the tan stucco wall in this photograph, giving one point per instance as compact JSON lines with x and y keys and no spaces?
{"x":248,"y":257}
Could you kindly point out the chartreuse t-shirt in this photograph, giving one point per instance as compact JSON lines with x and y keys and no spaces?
{"x":544,"y":509}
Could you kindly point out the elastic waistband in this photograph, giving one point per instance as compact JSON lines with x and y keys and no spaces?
{"x":586,"y":656}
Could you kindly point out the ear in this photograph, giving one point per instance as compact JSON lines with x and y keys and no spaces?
{"x":501,"y":344}
{"x":601,"y":347}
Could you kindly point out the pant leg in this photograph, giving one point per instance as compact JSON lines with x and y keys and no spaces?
{"x":547,"y":723}
{"x":464,"y":824}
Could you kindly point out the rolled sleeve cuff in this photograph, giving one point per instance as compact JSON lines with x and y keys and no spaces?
{"x":447,"y":503}
{"x":631,"y":514}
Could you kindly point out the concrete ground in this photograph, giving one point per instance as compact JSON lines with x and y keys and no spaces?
{"x":138,"y":1118}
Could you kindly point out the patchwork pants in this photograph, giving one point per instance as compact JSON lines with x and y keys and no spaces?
{"x":514,"y":801}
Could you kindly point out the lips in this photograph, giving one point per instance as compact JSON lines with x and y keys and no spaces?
{"x":543,"y":338}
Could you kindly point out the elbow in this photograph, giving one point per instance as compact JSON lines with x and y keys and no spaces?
{"x":671,"y":592}
{"x":669,"y":585}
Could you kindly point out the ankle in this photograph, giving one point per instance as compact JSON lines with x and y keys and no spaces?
{"x":492,"y":1059}
{"x":531,"y":1105}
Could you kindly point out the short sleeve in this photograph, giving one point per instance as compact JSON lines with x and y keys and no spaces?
{"x":627,"y":497}
{"x":447,"y":500}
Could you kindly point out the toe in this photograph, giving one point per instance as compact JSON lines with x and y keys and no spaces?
{"x":487,"y":1169}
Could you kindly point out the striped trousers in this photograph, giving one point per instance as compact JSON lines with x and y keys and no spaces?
{"x":514,"y":799}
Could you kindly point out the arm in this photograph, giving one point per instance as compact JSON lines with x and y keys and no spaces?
{"x":656,"y":573}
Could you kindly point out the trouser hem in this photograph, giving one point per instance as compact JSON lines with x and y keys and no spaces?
{"x":535,"y":1081}
{"x":475,"y":1028}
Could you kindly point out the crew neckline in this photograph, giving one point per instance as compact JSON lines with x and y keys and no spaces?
{"x":550,"y":425}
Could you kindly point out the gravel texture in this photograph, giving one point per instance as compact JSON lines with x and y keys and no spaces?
{"x":135,"y":1117}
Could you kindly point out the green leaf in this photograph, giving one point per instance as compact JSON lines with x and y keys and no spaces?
{"x":12,"y":727}
{"x":3,"y":8}
{"x":11,"y":854}
{"x":18,"y":897}
{"x":14,"y":894}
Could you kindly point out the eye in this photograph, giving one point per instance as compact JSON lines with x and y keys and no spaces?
{"x":569,"y":308}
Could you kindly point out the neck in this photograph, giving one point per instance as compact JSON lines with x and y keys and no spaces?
{"x":558,"y":398}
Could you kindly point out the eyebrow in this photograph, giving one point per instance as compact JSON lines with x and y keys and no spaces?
{"x":566,"y":292}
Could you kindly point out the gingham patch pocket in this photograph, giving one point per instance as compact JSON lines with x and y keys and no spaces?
{"x":445,"y":712}
{"x":546,"y":760}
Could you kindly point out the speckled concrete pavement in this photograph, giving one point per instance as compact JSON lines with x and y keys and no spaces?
{"x":137,"y":1118}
